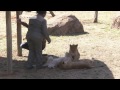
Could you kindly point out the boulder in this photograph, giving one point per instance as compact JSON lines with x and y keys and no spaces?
{"x":64,"y":25}
{"x":116,"y":23}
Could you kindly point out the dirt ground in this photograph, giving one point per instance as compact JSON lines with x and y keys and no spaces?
{"x":101,"y":43}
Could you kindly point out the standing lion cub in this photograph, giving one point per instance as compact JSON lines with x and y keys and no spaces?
{"x":74,"y":53}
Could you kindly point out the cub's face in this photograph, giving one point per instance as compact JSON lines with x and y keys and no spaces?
{"x":73,"y":48}
{"x":61,"y":64}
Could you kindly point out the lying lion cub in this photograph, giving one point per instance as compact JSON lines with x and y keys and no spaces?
{"x":52,"y":63}
{"x":74,"y":65}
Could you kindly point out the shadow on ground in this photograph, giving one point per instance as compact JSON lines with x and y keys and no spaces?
{"x":101,"y":71}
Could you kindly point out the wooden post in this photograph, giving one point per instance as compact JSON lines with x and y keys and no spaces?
{"x":9,"y":40}
{"x":19,"y":37}
{"x":51,"y":12}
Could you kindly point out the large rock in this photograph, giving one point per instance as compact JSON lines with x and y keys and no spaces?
{"x":64,"y":25}
{"x":116,"y":23}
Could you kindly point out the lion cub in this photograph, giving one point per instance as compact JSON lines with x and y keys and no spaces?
{"x":54,"y":62}
{"x":73,"y":51}
{"x":74,"y":65}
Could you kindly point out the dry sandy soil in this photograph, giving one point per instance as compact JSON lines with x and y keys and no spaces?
{"x":101,"y":43}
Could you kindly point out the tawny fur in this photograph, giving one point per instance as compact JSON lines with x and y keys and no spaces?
{"x":75,"y":65}
{"x":74,"y":53}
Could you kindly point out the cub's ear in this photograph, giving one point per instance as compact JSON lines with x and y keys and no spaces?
{"x":76,"y":44}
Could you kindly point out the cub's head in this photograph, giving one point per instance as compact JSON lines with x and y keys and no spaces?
{"x":61,"y":65}
{"x":73,"y":48}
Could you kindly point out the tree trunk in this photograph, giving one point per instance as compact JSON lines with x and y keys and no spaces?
{"x":51,"y":12}
{"x":19,"y":36}
{"x":96,"y":17}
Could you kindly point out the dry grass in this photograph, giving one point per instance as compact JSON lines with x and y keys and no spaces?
{"x":102,"y":43}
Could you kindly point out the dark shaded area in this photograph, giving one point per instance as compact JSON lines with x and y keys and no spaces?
{"x":100,"y":71}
